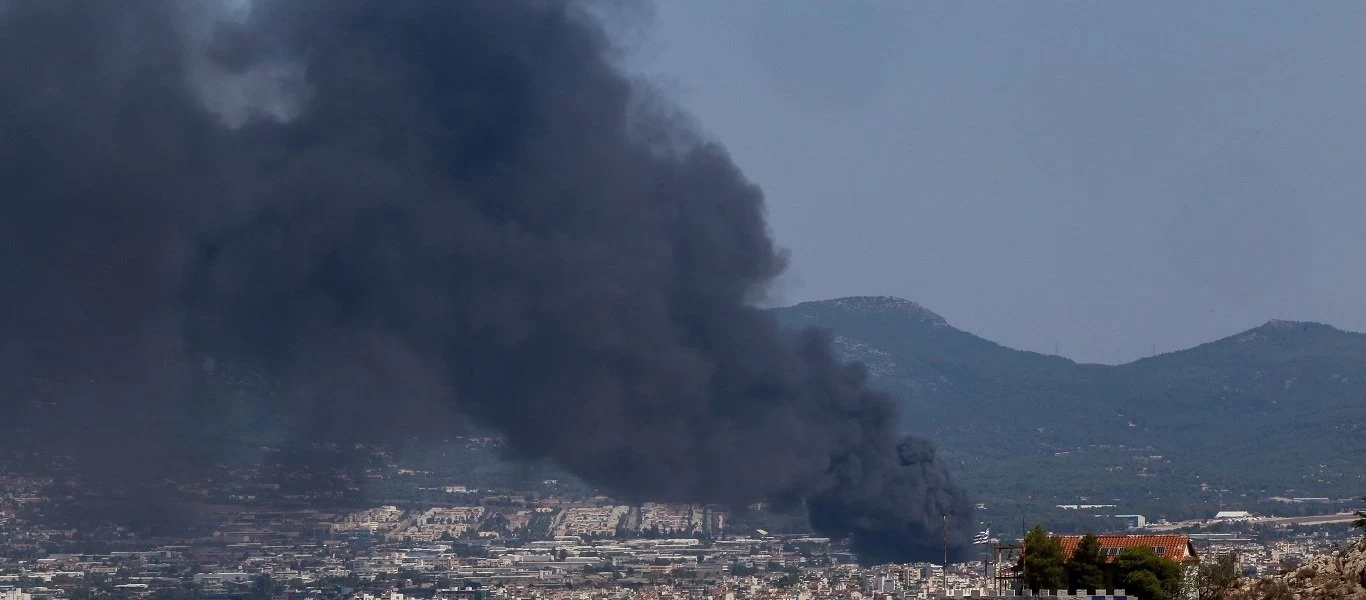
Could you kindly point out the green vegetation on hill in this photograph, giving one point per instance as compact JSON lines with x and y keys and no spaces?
{"x":1273,"y":411}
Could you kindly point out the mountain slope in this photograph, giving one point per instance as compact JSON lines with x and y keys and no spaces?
{"x":1271,"y":411}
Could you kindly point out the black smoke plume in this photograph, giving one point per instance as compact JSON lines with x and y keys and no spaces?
{"x":400,"y":211}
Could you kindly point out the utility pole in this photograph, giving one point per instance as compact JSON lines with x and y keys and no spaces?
{"x":1024,"y":564}
{"x":944,"y":576}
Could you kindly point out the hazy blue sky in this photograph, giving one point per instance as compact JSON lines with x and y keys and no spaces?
{"x":1103,"y":176}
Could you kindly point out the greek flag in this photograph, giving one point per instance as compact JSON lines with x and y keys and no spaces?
{"x":983,"y":537}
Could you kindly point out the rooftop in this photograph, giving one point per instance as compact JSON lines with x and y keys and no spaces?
{"x":1175,"y":547}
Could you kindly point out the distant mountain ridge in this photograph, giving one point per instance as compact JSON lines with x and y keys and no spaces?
{"x":1280,"y":407}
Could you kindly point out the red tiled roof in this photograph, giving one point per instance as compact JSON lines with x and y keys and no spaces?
{"x":1175,"y":547}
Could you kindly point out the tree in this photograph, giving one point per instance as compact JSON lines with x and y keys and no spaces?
{"x":261,"y":586}
{"x":1086,"y":567}
{"x":1144,"y":585}
{"x":1043,"y":561}
{"x":1215,"y":579}
{"x":740,"y":569}
{"x":1145,"y":574}
{"x":1360,"y":523}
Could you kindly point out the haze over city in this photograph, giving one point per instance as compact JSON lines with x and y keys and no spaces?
{"x":1100,"y":178}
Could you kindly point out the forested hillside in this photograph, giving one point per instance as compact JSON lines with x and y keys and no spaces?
{"x":1274,"y":411}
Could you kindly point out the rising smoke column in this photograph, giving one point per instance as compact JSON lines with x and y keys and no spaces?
{"x":405,"y":210}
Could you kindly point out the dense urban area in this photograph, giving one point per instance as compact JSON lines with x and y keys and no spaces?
{"x":236,"y":534}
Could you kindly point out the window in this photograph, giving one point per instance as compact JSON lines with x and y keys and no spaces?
{"x":1160,"y":549}
{"x":1112,"y":551}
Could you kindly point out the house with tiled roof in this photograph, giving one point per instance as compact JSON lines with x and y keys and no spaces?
{"x":1175,"y":547}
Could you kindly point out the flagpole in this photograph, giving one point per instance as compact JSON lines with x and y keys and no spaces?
{"x":986,"y":553}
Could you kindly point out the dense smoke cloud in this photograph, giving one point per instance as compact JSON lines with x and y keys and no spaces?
{"x":398,"y":211}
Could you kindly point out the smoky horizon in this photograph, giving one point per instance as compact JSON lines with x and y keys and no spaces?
{"x":363,"y":221}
